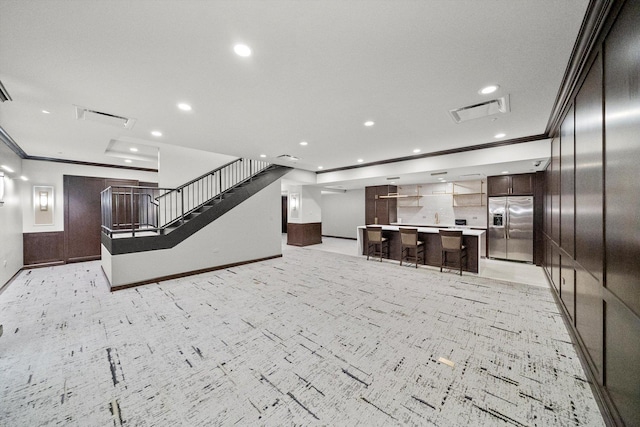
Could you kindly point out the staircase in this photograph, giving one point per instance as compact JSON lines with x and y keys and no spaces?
{"x":139,"y":219}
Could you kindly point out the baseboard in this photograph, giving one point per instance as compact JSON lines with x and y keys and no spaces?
{"x":188,"y":273}
{"x":339,"y":237}
{"x":6,"y":285}
{"x":43,"y":264}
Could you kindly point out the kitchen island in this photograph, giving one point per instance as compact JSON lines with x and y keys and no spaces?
{"x":430,"y":236}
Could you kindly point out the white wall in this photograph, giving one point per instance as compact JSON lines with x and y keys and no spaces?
{"x":249,"y":231}
{"x":309,"y":209}
{"x":51,"y":173}
{"x":342,"y":213}
{"x":11,"y":250}
{"x":179,"y":165}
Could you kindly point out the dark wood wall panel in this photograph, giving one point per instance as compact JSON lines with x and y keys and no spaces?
{"x":592,"y":213}
{"x":547,"y":256}
{"x":555,"y":267}
{"x":538,"y":218}
{"x":554,"y":188}
{"x":622,"y":367}
{"x":567,"y":184}
{"x":622,"y":168}
{"x":589,"y":167}
{"x":589,"y":318}
{"x":548,"y":190}
{"x":43,"y":248}
{"x":568,"y":285}
{"x":622,"y":216}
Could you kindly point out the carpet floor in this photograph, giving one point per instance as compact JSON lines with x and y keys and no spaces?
{"x":312,"y":338}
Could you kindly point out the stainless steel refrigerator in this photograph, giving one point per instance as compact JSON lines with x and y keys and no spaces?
{"x":511,"y":228}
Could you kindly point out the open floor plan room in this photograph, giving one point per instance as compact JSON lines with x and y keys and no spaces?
{"x":311,"y":338}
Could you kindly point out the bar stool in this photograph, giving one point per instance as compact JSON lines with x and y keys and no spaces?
{"x":409,"y":240}
{"x":451,"y":241}
{"x":374,"y":238}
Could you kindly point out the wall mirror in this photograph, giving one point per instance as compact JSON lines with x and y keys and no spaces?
{"x":43,"y":204}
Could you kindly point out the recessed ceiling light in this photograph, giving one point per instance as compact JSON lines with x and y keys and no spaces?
{"x":489,"y":89}
{"x":46,"y":112}
{"x":360,"y":160}
{"x":505,"y":172}
{"x":304,"y":143}
{"x":393,"y":182}
{"x":263,"y":155}
{"x":242,"y":50}
{"x":134,"y":149}
{"x":24,"y":178}
{"x":156,"y":133}
{"x":127,"y":160}
{"x":417,"y":150}
{"x":320,"y":167}
{"x":184,"y":107}
{"x":7,"y":168}
{"x":369,"y":123}
{"x":500,"y":135}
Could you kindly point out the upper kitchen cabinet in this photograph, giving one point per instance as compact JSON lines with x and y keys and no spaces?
{"x":510,"y":185}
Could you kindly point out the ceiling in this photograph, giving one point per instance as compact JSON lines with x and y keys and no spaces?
{"x":318,"y":71}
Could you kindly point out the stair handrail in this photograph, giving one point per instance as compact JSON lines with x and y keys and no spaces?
{"x":198,"y":191}
{"x":204,"y":175}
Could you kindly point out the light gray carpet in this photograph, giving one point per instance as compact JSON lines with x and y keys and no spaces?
{"x":312,"y":338}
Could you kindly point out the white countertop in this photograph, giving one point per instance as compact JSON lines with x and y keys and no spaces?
{"x":433,"y":230}
{"x":415,"y":224}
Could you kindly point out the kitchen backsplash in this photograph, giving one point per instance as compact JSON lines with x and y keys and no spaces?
{"x":427,"y":200}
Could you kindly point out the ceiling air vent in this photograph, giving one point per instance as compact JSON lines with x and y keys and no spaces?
{"x":288,"y":157}
{"x":489,"y":108}
{"x":83,"y":113}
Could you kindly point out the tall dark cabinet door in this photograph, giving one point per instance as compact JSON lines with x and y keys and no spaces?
{"x":82,"y":215}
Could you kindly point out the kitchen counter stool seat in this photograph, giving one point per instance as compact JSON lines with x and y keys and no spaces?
{"x":409,"y":242}
{"x":451,"y":241}
{"x":375,"y":240}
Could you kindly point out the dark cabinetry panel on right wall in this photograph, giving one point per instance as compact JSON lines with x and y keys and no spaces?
{"x":622,"y":203}
{"x":592,"y":213}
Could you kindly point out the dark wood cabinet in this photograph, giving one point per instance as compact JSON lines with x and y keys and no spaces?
{"x":510,"y":185}
{"x":381,"y":210}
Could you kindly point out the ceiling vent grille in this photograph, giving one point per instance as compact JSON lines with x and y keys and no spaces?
{"x":288,"y":157}
{"x":477,"y":111}
{"x":83,"y":113}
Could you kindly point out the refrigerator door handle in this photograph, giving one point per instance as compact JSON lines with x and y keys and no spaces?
{"x":507,"y":222}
